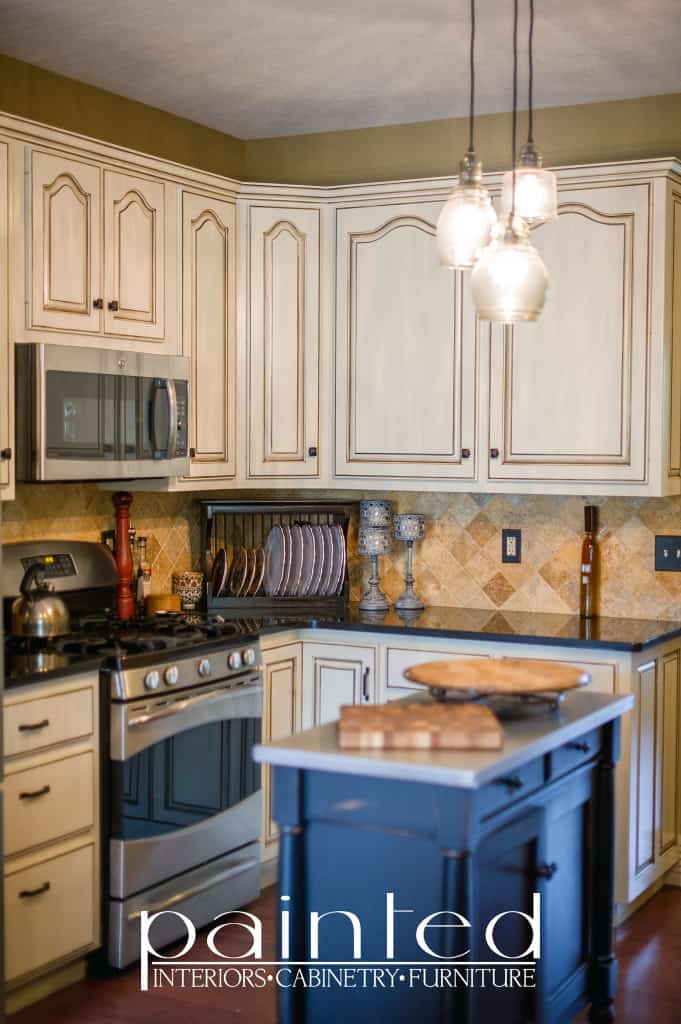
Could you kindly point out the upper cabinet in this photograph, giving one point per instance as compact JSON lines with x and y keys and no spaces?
{"x":406,"y":349}
{"x":101,"y":255}
{"x":208,"y":308}
{"x":568,"y":399}
{"x":283,"y":342}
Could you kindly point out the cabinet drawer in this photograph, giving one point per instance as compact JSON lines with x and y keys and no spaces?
{"x":48,"y":802}
{"x":511,"y":786}
{"x":577,"y":752}
{"x":33,"y":724}
{"x":49,"y":911}
{"x":399,"y":659}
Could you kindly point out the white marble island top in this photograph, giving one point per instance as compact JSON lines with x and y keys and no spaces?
{"x":524,"y":739}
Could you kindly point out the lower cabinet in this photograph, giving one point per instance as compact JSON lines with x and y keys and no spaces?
{"x":281,"y":718}
{"x":333,"y":675}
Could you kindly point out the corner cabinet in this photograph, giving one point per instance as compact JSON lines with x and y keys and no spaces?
{"x":283,"y":342}
{"x":209,"y":331}
{"x":406,"y":349}
{"x":569,"y":394}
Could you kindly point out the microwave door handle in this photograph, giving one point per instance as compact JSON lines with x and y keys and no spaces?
{"x":169,"y":447}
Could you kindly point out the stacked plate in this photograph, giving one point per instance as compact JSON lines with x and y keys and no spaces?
{"x":243,"y":578}
{"x":305,"y":561}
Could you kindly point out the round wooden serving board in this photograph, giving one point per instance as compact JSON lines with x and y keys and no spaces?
{"x":498,"y":675}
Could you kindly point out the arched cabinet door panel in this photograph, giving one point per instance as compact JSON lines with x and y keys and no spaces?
{"x":569,"y":392}
{"x":405,"y":349}
{"x":65,"y":240}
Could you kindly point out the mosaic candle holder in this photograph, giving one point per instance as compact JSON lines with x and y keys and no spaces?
{"x":375,"y":512}
{"x":409,"y":527}
{"x":374,"y":541}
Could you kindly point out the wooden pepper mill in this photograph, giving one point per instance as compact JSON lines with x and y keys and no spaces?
{"x":125,"y":599}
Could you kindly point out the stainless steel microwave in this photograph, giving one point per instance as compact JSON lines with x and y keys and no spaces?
{"x":94,"y":414}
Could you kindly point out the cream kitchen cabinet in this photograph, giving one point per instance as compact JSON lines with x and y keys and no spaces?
{"x":406,"y":349}
{"x":569,"y":393}
{"x":283,"y":355}
{"x":282,"y":716}
{"x":209,"y":331}
{"x":335,"y":674}
{"x":100,"y":250}
{"x":6,"y":351}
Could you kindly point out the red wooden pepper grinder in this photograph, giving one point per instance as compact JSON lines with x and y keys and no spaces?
{"x":125,"y":600}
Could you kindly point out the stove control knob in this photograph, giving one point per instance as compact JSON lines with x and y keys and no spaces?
{"x":171,"y":675}
{"x":249,"y":656}
{"x":204,"y":668}
{"x":234,"y":660}
{"x":152,"y":680}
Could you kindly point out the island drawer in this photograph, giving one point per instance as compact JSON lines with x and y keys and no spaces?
{"x":49,"y":911}
{"x":33,"y":724}
{"x":49,"y":802}
{"x":571,"y":755}
{"x":510,"y":787}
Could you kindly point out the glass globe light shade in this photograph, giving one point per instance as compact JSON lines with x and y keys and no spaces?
{"x":509,"y":282}
{"x":536,"y":192}
{"x":466,"y":219}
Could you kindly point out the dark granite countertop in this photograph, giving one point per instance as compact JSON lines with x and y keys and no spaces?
{"x":479,"y":624}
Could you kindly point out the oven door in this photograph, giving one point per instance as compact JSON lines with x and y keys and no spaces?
{"x":185,"y":788}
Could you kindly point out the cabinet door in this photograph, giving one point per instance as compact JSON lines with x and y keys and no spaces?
{"x":282,"y":714}
{"x":644,"y":746}
{"x":568,"y":393}
{"x":6,"y":362}
{"x":208,"y":284}
{"x":65,"y":232}
{"x":333,"y":675}
{"x":135,"y":260}
{"x":406,"y":350}
{"x":668,"y":762}
{"x":283,"y":342}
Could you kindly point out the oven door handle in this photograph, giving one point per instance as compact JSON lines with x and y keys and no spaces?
{"x":186,"y":705}
{"x":187,"y":894}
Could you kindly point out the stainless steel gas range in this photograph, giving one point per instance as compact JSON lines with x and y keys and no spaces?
{"x":182,"y":710}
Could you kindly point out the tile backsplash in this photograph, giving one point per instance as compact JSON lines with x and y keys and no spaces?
{"x":458,"y":563}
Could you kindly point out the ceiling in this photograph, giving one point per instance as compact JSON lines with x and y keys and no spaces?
{"x":258,"y":68}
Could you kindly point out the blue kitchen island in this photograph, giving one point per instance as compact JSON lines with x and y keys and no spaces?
{"x":394,"y":867}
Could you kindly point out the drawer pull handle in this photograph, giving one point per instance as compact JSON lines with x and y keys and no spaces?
{"x":32,"y":794}
{"x":546,"y":871}
{"x":34,"y":726}
{"x":583,"y":748}
{"x":26,"y":894}
{"x":511,"y":781}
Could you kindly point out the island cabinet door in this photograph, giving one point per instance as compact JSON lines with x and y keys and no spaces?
{"x":208,"y":333}
{"x":570,"y":393}
{"x":283,"y":342}
{"x":333,"y":675}
{"x":281,"y":718}
{"x":405,"y":350}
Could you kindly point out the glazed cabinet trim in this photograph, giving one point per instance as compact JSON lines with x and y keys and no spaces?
{"x":209,"y":324}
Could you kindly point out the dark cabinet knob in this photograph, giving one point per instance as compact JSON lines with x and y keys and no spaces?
{"x":192,"y":453}
{"x":546,"y":870}
{"x":510,"y":781}
{"x":113,"y":306}
{"x":98,"y":304}
{"x":494,"y":453}
{"x":465,"y":453}
{"x":312,"y":451}
{"x":6,"y":454}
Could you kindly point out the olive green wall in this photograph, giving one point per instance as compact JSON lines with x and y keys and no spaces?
{"x":589,"y":133}
{"x":40,"y":95}
{"x":623,"y":130}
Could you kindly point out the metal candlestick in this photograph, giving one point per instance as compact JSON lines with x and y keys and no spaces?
{"x":375,"y":512}
{"x":409,"y":527}
{"x":374,"y":541}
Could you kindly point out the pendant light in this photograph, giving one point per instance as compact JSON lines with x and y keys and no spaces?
{"x":463,"y":227}
{"x":509,"y":281}
{"x":536,"y":198}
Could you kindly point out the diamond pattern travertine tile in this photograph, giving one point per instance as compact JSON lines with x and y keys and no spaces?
{"x":498,"y":589}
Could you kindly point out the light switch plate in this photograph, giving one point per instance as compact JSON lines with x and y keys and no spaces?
{"x":667,"y":553}
{"x":511,"y":545}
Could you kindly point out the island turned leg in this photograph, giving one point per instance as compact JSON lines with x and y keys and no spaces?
{"x":603,"y":978}
{"x":287,"y":800}
{"x":455,"y":1003}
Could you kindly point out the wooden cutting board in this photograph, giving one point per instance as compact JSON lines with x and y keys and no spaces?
{"x":498,"y":675}
{"x":419,"y":727}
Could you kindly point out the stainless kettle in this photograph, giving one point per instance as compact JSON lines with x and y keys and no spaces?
{"x":38,"y":611}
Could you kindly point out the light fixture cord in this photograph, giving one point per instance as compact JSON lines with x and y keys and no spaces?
{"x":471,"y":109}
{"x":530,"y":117}
{"x":515,"y":103}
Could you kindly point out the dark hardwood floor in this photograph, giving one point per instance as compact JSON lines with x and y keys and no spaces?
{"x":648,"y":949}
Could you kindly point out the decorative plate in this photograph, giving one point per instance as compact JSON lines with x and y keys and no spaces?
{"x":275,"y":561}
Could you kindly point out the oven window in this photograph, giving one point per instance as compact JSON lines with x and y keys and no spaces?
{"x":81,"y":415}
{"x":185,"y":779}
